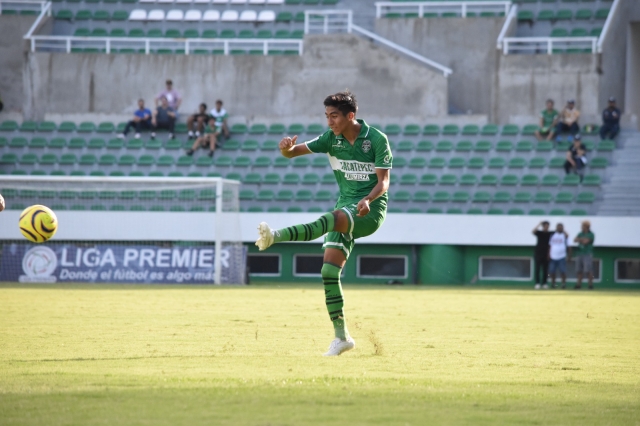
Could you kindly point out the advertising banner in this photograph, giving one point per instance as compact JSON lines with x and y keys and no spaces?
{"x":111,"y":263}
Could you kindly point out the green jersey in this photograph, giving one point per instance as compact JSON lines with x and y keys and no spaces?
{"x":219,"y":116}
{"x":548,"y":117}
{"x":585,"y":248}
{"x":354,"y":166}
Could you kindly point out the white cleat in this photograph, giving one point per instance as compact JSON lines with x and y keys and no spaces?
{"x":537,"y":286}
{"x":339,"y":346}
{"x":265,"y":239}
{"x":545,"y":287}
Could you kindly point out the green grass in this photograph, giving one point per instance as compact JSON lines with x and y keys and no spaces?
{"x":151,"y":355}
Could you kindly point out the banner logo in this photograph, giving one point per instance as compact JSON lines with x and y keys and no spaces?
{"x":39,"y":263}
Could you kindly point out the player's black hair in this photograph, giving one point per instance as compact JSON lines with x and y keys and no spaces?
{"x":203,"y":105}
{"x":345,"y":102}
{"x":545,"y":223}
{"x":219,"y":102}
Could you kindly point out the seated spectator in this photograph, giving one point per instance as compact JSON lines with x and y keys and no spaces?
{"x":610,"y":120}
{"x":548,"y":120}
{"x":164,"y":117}
{"x":219,"y":117}
{"x":568,"y":120}
{"x":576,"y":157}
{"x":172,"y":95}
{"x":141,"y":120}
{"x":207,"y":140}
{"x":200,"y":118}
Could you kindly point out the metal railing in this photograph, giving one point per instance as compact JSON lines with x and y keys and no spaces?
{"x":607,"y":24}
{"x":327,"y":21}
{"x":463,"y":8}
{"x":512,"y":17}
{"x":341,"y":21}
{"x":23,"y":5}
{"x":548,"y":45}
{"x":69,"y":44}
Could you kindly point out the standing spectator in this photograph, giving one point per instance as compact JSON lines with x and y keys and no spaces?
{"x":568,"y":120}
{"x":610,"y":120}
{"x":200,"y":118}
{"x":541,"y":259}
{"x":219,"y":117}
{"x":548,"y":120}
{"x":141,"y":120}
{"x":173,"y":97}
{"x":164,"y":117}
{"x":576,"y":157}
{"x":584,"y":254}
{"x":559,"y":253}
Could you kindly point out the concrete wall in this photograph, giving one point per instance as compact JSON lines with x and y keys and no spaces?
{"x":525,"y":82}
{"x":468,"y":46}
{"x":12,"y":56}
{"x":286,"y":88}
{"x":632,"y":93}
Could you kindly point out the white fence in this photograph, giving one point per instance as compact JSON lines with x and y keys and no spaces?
{"x":549,"y":45}
{"x":341,"y":21}
{"x":461,"y":8}
{"x":152,"y":45}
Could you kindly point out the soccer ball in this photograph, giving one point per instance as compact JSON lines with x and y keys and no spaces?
{"x":38,"y":223}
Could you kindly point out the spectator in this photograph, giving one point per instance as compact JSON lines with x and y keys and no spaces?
{"x":548,"y":120}
{"x":164,"y":117}
{"x":559,"y":253}
{"x":584,"y":254}
{"x":141,"y":120}
{"x":208,"y":139}
{"x":541,"y":260}
{"x":200,"y":118}
{"x":576,"y":157}
{"x":610,"y":120}
{"x":568,"y":120}
{"x":219,"y":117}
{"x":172,"y":95}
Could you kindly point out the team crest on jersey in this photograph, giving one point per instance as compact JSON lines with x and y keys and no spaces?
{"x":338,"y":144}
{"x":366,"y":146}
{"x":386,"y":159}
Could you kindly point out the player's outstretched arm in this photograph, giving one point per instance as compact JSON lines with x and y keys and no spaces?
{"x":289,"y":149}
{"x":381,"y":187}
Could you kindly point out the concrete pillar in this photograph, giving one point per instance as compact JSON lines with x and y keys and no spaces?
{"x":441,"y":264}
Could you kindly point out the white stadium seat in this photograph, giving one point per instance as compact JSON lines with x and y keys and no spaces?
{"x":266,"y":16}
{"x":146,"y":1}
{"x":257,"y":1}
{"x":219,"y":1}
{"x":183,"y":1}
{"x":275,"y":1}
{"x":248,"y":16}
{"x":211,"y":15}
{"x":175,"y":15}
{"x":138,"y":15}
{"x":201,"y":1}
{"x":155,"y":15}
{"x":238,"y":1}
{"x":164,"y":1}
{"x":193,"y":16}
{"x":229,"y":16}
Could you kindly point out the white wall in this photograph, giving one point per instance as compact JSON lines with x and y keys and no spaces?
{"x":397,"y":229}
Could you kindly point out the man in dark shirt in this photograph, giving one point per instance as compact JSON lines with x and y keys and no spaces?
{"x":541,"y":258}
{"x":141,"y":120}
{"x":164,"y":117}
{"x":610,"y":120}
{"x":576,"y":157}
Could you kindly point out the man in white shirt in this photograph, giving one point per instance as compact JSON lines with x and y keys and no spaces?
{"x":559,"y":253}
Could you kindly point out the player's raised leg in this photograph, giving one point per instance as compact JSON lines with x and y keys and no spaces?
{"x":334,"y":221}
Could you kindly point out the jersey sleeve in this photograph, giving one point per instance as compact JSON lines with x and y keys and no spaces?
{"x":383,"y":156}
{"x":319,"y":145}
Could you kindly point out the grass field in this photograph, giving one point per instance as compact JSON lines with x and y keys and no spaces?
{"x":120,"y":355}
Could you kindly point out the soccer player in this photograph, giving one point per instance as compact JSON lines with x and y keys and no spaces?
{"x":361,"y":161}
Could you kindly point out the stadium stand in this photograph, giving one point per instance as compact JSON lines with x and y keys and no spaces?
{"x":470,"y":169}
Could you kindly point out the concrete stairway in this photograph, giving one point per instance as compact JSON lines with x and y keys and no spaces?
{"x":621,"y":193}
{"x":364,"y":12}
